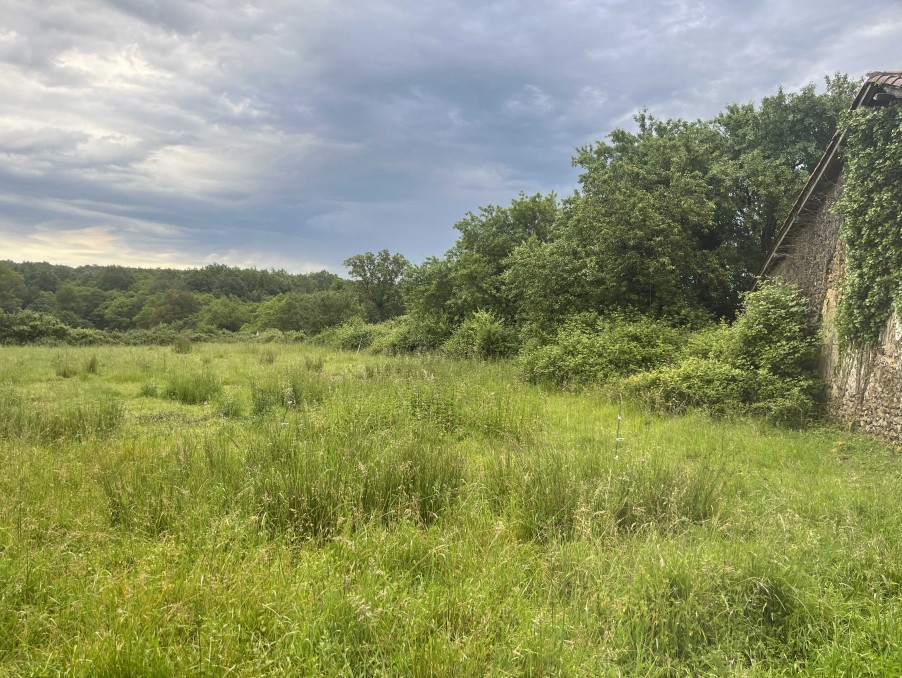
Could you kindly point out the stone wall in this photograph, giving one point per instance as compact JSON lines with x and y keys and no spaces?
{"x":808,"y":252}
{"x":864,"y":387}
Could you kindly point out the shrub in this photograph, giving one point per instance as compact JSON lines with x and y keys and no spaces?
{"x":591,"y":349}
{"x":401,"y":335}
{"x":182,"y":344}
{"x":764,"y":363}
{"x":705,"y":383}
{"x":352,"y":336}
{"x":25,"y":327}
{"x":482,"y":336}
{"x":776,"y":332}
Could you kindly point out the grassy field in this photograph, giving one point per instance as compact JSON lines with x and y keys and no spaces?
{"x":249,"y":510}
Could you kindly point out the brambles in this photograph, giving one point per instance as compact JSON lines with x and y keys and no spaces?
{"x":589,"y":349}
{"x":764,"y":363}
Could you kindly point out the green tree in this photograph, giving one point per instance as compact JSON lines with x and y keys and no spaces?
{"x":227,"y":313}
{"x":120,"y":311}
{"x":309,"y":313}
{"x":471,"y":277}
{"x":12,"y":288}
{"x":775,"y":146}
{"x":378,"y":277}
{"x":168,"y":307}
{"x":115,"y":278}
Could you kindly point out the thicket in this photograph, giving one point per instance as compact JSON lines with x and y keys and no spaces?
{"x":591,"y":349}
{"x":872,"y":222}
{"x":764,"y":363}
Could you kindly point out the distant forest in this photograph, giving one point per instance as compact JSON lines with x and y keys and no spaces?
{"x":669,"y":221}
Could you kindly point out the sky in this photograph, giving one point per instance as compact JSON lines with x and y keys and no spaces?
{"x":295,"y":134}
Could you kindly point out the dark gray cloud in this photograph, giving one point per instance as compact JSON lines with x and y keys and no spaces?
{"x":277,"y":133}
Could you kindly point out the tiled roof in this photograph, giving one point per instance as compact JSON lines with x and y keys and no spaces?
{"x":891,"y":78}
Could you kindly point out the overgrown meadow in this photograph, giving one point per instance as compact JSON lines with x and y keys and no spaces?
{"x":287,"y":510}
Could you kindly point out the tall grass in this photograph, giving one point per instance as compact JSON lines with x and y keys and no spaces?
{"x":33,"y":420}
{"x":346,"y":514}
{"x":193,"y":388}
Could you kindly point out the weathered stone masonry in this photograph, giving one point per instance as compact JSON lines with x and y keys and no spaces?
{"x":865,"y":386}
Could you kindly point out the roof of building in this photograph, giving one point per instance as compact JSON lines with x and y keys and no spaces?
{"x":879,"y":82}
{"x":893,"y":78}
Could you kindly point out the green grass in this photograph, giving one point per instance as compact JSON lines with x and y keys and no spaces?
{"x":293,"y":511}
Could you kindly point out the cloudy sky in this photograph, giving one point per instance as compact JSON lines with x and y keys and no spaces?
{"x":293,"y":134}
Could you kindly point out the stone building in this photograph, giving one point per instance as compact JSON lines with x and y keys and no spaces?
{"x":864,"y":386}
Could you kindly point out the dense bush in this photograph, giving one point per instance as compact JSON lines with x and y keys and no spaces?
{"x":483,"y":336}
{"x":765,"y":363}
{"x":403,"y":335}
{"x":589,"y":349}
{"x":30,"y":327}
{"x":707,"y":383}
{"x":355,"y":335}
{"x":26,"y":327}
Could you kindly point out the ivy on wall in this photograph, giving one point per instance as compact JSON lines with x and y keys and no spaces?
{"x":872,"y":222}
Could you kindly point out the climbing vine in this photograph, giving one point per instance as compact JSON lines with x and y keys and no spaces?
{"x":872,"y":222}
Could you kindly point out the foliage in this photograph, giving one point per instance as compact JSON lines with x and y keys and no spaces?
{"x":764,"y":363}
{"x":777,"y":333}
{"x":351,"y":336}
{"x":27,"y":326}
{"x":670,"y":220}
{"x":308,"y":313}
{"x":12,"y":288}
{"x":165,"y":308}
{"x":402,"y":335}
{"x":482,"y":336}
{"x":378,"y":277}
{"x":441,"y":293}
{"x":120,"y":298}
{"x":773,"y":148}
{"x":182,"y":344}
{"x":589,"y":349}
{"x":227,"y":313}
{"x":707,"y":383}
{"x":871,"y":206}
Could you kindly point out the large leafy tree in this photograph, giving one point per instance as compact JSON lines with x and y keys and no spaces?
{"x":673,"y":219}
{"x":471,"y":277}
{"x":309,"y":313}
{"x":171,"y":306}
{"x":378,"y":277}
{"x":12,"y":288}
{"x":776,"y":145}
